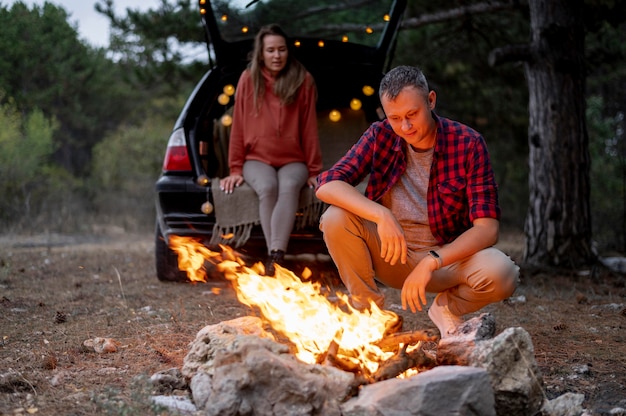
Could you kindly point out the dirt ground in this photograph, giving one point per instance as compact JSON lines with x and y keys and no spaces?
{"x":58,"y":291}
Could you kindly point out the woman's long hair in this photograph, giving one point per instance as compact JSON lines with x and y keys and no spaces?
{"x":288,"y":80}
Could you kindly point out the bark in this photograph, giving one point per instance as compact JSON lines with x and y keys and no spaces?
{"x":558,"y":223}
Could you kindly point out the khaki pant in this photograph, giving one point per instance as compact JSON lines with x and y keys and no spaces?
{"x":470,"y":284}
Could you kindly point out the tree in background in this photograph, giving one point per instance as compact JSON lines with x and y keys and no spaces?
{"x":44,"y":65}
{"x":558,"y":225}
{"x":162,"y":47}
{"x":25,"y":162}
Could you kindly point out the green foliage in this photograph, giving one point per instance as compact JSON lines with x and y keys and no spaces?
{"x":27,"y":147}
{"x":127,"y":163}
{"x":607,"y":146}
{"x":163,"y":47}
{"x":44,"y":65}
{"x":494,"y":101}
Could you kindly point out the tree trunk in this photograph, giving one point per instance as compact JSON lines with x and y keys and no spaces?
{"x":558,"y":223}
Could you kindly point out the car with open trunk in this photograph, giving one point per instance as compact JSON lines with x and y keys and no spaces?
{"x":347,"y":47}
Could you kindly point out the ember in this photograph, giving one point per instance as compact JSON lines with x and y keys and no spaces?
{"x":320,"y":330}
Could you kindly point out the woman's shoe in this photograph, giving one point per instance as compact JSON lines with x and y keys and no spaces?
{"x":275,"y":257}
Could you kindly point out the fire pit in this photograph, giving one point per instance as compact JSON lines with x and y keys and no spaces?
{"x":311,"y":353}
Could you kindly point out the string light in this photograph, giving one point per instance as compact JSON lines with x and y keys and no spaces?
{"x":355,"y":104}
{"x":297,"y":44}
{"x":229,"y":89}
{"x":344,"y":38}
{"x":369,"y":30}
{"x":224,"y":18}
{"x":386,"y":18}
{"x":244,"y":29}
{"x":202,"y":11}
{"x":226,"y":120}
{"x":223,"y":99}
{"x":334,"y":115}
{"x":368,"y":90}
{"x":203,"y":2}
{"x":320,"y":43}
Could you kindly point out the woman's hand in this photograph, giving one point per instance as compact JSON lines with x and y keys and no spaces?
{"x":312,"y":182}
{"x":229,"y":183}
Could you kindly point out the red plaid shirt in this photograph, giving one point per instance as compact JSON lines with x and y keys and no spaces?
{"x":461,"y":187}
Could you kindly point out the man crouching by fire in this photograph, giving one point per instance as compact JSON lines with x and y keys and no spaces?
{"x":430,"y":215}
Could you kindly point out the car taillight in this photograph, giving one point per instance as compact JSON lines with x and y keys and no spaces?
{"x":176,"y":156}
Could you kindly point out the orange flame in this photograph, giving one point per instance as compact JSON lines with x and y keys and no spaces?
{"x":295,"y":308}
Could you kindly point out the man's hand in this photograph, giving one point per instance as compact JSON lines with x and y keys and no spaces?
{"x":392,"y":241}
{"x":414,"y":287}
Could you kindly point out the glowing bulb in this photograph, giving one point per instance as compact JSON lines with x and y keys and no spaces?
{"x":202,"y":1}
{"x":386,"y":18}
{"x":334,"y":115}
{"x":320,"y":43}
{"x":229,"y":89}
{"x":297,"y":43}
{"x":207,"y":208}
{"x":224,"y":18}
{"x":355,"y":104}
{"x":223,"y":99}
{"x":367,"y":90}
{"x":226,"y":120}
{"x":344,"y":38}
{"x":202,"y":11}
{"x":244,"y":29}
{"x":369,"y":30}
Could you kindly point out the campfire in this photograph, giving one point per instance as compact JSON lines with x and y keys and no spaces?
{"x":317,"y":329}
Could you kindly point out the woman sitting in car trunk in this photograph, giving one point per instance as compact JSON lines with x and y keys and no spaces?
{"x":274,"y":144}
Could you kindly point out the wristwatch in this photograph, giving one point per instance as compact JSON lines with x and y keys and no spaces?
{"x":435,"y":255}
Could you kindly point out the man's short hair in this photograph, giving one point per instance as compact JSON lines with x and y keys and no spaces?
{"x":402,"y":76}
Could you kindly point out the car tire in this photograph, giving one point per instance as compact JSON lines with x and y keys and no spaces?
{"x":166,"y":260}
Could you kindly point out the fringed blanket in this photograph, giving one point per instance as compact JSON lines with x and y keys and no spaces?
{"x":237,"y":213}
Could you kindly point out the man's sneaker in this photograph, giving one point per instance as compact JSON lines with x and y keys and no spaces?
{"x":445,"y":320}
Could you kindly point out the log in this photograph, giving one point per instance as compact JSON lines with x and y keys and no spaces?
{"x":392,"y":342}
{"x":402,"y":362}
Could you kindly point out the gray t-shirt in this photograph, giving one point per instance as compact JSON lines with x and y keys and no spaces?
{"x":407,"y":199}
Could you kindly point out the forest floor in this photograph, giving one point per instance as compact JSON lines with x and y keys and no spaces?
{"x":58,"y":291}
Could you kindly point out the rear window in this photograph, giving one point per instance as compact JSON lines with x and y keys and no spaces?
{"x":357,"y":21}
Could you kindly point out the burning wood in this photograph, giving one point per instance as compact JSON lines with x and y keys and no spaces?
{"x":393,"y":341}
{"x":363,"y":342}
{"x":404,"y":361}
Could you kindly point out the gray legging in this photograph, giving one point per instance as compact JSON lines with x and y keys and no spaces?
{"x":278,"y":190}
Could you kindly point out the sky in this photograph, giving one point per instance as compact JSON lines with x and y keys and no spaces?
{"x":92,"y":26}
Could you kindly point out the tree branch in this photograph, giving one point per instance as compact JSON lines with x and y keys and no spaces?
{"x":445,"y":15}
{"x":430,"y":18}
{"x":332,"y":8}
{"x":510,"y":53}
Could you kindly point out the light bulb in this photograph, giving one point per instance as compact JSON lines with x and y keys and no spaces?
{"x":223,"y":99}
{"x":229,"y":89}
{"x":226,"y":120}
{"x":355,"y":104}
{"x":334,"y":115}
{"x":207,"y":208}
